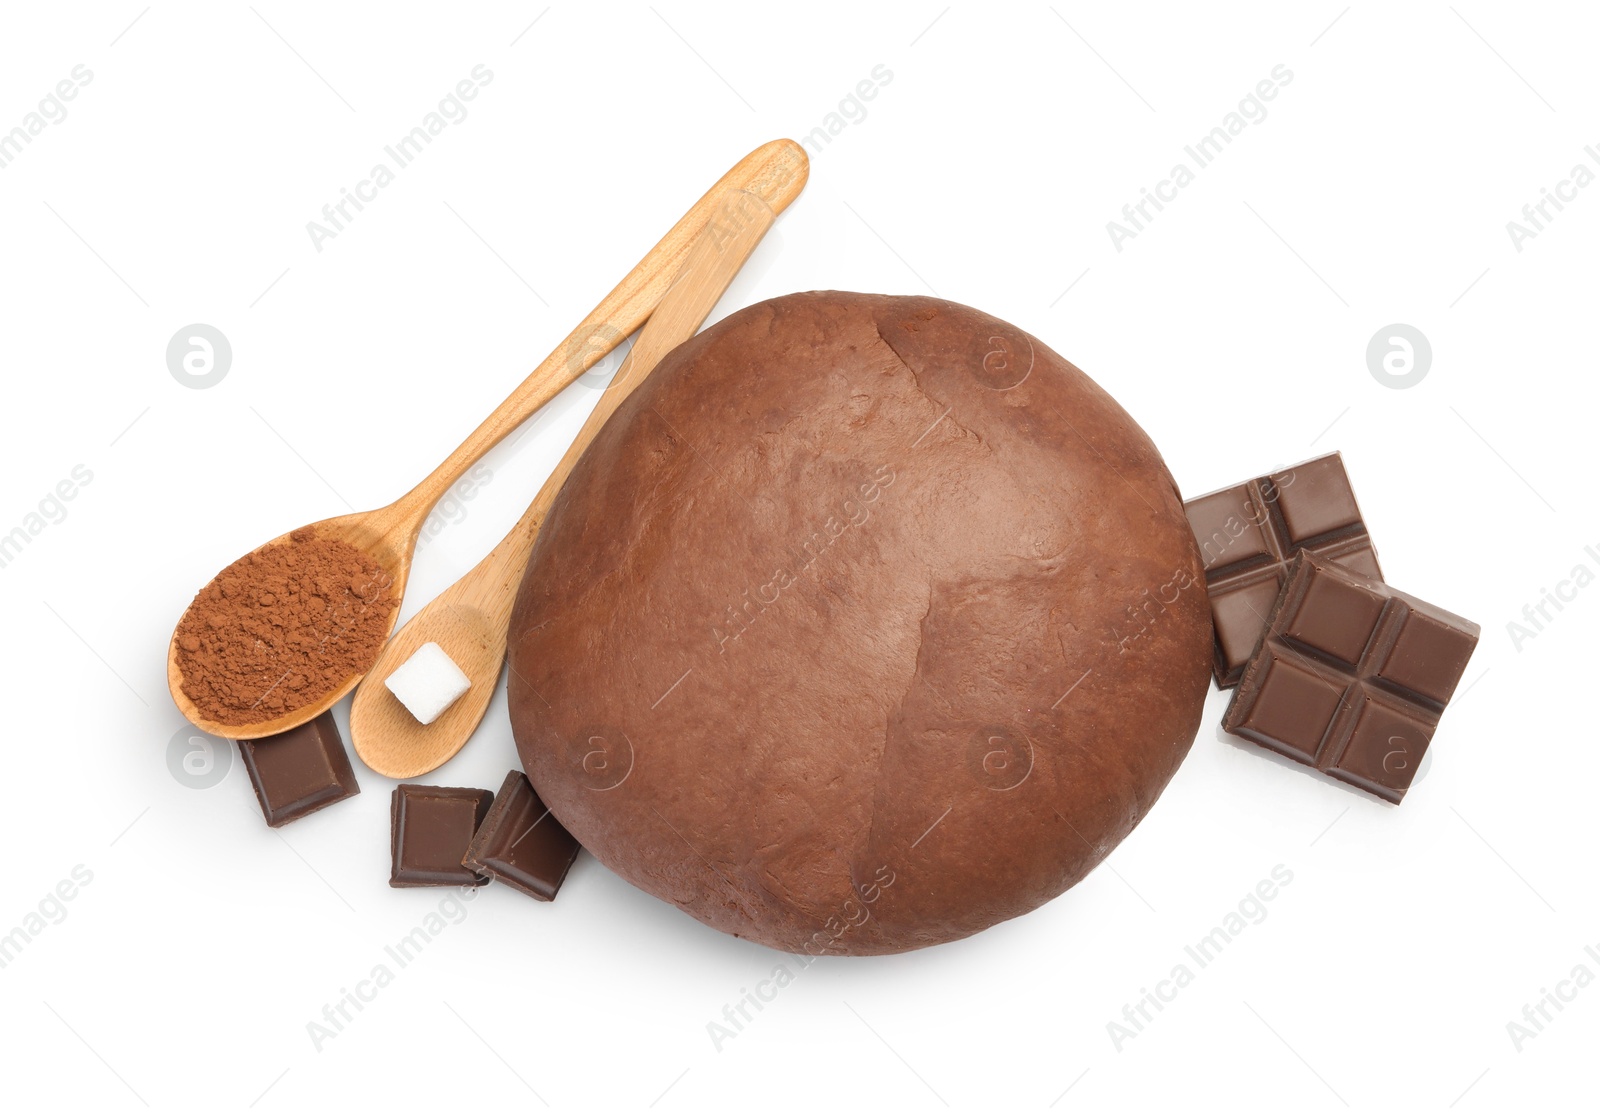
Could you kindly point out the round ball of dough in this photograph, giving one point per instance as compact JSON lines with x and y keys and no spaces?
{"x":867,"y":622}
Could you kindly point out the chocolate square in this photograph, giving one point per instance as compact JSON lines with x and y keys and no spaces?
{"x":1384,"y":748}
{"x":1428,"y":657}
{"x":1230,"y":527}
{"x":521,"y":844}
{"x":1316,"y":502}
{"x":299,"y":771}
{"x":1237,"y":617}
{"x":429,"y":830}
{"x":1296,"y":705}
{"x":1351,"y":676}
{"x":1334,"y":617}
{"x":1250,"y":532}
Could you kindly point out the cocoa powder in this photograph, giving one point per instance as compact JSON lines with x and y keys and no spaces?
{"x":283,"y":627}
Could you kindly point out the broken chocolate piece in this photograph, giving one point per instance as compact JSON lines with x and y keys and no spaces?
{"x":429,"y":830}
{"x":521,"y":844}
{"x":299,"y":771}
{"x":1351,"y":677}
{"x":1250,"y":532}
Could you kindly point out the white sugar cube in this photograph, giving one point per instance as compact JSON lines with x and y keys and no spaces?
{"x":428,"y":682}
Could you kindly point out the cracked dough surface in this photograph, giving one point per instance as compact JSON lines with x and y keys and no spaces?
{"x":867,"y":622}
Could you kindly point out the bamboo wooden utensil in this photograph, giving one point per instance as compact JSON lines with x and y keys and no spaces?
{"x":469,"y":619}
{"x":775,"y":173}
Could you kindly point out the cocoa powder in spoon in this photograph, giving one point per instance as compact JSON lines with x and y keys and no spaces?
{"x":283,"y":627}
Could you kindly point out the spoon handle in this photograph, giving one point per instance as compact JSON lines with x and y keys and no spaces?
{"x":470,"y":618}
{"x":775,"y":173}
{"x":716,"y":257}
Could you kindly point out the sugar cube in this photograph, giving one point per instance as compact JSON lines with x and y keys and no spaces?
{"x":428,"y":682}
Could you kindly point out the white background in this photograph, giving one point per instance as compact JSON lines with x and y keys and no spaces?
{"x":1234,"y":327}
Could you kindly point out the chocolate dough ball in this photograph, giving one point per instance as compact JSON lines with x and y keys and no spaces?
{"x":866,"y":623}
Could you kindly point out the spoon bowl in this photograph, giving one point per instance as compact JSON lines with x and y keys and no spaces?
{"x":387,"y":537}
{"x":468,"y":621}
{"x":476,"y":641}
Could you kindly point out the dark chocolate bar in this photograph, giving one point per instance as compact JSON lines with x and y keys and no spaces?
{"x":429,"y":830}
{"x":1351,"y":676}
{"x":299,"y":771}
{"x":1249,"y":533}
{"x":521,"y":844}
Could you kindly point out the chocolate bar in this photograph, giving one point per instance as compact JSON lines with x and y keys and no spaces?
{"x":521,"y":844}
{"x":299,"y":771}
{"x":1249,"y":533}
{"x":1351,"y":676}
{"x":429,"y":830}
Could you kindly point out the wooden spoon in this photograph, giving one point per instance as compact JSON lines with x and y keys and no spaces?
{"x":469,"y":619}
{"x":775,"y":173}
